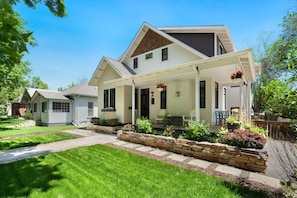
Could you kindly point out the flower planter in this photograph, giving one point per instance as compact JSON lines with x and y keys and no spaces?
{"x":232,"y":126}
{"x":236,"y":80}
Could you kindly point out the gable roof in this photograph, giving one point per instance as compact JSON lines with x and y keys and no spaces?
{"x":48,"y":94}
{"x":117,"y":66}
{"x":142,"y":32}
{"x":82,"y":89}
{"x":221,"y":31}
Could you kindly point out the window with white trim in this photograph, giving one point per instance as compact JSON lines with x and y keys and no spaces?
{"x":61,"y":107}
{"x":109,"y":98}
{"x":90,"y":108}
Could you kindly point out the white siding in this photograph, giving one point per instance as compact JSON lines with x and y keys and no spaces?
{"x":80,"y":108}
{"x":176,"y":56}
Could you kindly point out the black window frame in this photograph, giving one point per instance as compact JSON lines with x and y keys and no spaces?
{"x":202,"y":94}
{"x":135,"y":63}
{"x":163,"y":99}
{"x":216,"y":95}
{"x":61,"y":107}
{"x":165,"y":54}
{"x":109,"y":98}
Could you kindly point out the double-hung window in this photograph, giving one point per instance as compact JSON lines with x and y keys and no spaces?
{"x":165,"y":54}
{"x":109,"y":98}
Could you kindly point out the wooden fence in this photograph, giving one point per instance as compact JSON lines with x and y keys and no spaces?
{"x":277,"y":130}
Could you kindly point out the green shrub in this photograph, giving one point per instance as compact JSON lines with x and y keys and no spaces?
{"x":169,"y":130}
{"x":255,"y":129}
{"x":197,"y":131}
{"x":244,"y":139}
{"x":28,"y":115}
{"x":143,"y":125}
{"x":103,"y":122}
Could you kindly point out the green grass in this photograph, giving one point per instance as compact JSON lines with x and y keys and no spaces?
{"x":33,"y":129}
{"x":101,"y":171}
{"x":22,"y":141}
{"x":10,"y":121}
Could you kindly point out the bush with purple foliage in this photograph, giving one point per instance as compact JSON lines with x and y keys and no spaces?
{"x":244,"y":139}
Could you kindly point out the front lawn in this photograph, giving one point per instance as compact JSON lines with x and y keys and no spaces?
{"x":10,"y":121}
{"x":102,"y":171}
{"x":33,"y":129}
{"x":40,"y":138}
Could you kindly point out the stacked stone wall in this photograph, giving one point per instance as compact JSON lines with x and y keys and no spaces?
{"x":248,"y":159}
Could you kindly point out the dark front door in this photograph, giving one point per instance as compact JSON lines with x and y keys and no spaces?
{"x":144,"y":103}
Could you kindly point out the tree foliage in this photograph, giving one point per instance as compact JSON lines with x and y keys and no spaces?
{"x":14,"y":39}
{"x":37,"y":83}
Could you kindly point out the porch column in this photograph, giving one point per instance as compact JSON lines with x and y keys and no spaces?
{"x":133,"y":102}
{"x":240,"y":102}
{"x":249,"y":105}
{"x":197,"y":93}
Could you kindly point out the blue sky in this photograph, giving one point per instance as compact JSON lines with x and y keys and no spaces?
{"x":70,"y":48}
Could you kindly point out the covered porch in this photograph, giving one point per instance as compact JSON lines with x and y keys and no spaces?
{"x":183,"y":87}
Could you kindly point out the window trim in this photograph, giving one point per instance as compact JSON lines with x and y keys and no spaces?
{"x":90,"y":108}
{"x":109,"y":99}
{"x":164,"y":54}
{"x":135,"y":63}
{"x":61,"y":107}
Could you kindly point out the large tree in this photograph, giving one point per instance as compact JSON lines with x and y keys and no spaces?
{"x":14,"y":39}
{"x":37,"y":83}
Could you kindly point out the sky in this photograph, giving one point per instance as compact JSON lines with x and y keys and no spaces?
{"x":70,"y":49}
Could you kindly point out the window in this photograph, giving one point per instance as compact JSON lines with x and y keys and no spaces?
{"x":164,"y":54}
{"x":44,"y":107}
{"x":163,"y":99}
{"x":90,"y":108}
{"x":109,"y":98}
{"x":149,"y":56}
{"x":135,"y":63}
{"x":202,"y":94}
{"x":61,"y":107}
{"x":35,"y":107}
{"x":216,"y":95}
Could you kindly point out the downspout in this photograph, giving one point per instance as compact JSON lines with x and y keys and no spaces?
{"x":197,"y":92}
{"x":133,"y":102}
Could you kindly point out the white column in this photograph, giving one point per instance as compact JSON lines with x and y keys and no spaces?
{"x":133,"y":102}
{"x":240,"y":102}
{"x":197,"y":95}
{"x":249,"y":105}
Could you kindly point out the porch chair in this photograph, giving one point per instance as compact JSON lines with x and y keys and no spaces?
{"x":160,"y":116}
{"x":189,"y":118}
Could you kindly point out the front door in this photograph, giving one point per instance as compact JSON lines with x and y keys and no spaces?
{"x":144,"y":103}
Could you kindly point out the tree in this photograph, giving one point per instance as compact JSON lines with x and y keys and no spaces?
{"x":14,"y":39}
{"x":73,"y":84}
{"x":284,"y":49}
{"x":38,"y":83}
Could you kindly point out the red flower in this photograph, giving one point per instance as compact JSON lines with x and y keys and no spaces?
{"x":238,"y":74}
{"x":160,"y":85}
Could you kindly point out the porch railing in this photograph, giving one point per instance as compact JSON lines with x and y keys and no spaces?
{"x":277,"y":130}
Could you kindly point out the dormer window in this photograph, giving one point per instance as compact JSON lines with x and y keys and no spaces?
{"x":149,"y":56}
{"x":135,"y":63}
{"x":165,"y":54}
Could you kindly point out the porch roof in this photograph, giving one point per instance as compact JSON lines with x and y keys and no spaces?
{"x":219,"y":68}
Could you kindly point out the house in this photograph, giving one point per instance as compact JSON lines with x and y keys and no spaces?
{"x":195,"y":65}
{"x":75,"y":105}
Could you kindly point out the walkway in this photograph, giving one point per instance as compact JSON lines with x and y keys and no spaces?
{"x":88,"y":138}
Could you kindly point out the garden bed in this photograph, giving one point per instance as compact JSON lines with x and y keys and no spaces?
{"x":248,"y":159}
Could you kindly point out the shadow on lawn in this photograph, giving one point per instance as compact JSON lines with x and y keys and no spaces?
{"x":23,"y":176}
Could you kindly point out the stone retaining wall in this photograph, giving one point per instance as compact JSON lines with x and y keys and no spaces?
{"x":248,"y":159}
{"x":102,"y":129}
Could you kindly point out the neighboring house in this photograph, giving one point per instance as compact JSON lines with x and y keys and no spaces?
{"x":195,"y":64}
{"x":78,"y":104}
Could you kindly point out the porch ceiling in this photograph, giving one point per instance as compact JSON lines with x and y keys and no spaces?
{"x":219,"y":68}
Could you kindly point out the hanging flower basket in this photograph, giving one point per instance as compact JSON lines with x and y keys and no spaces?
{"x":160,"y":86}
{"x":236,"y":77}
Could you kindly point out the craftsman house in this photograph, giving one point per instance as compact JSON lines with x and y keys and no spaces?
{"x":176,"y":70}
{"x":75,"y":105}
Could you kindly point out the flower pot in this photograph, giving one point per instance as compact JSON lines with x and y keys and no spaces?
{"x":160,"y":89}
{"x":232,"y":126}
{"x":236,"y":80}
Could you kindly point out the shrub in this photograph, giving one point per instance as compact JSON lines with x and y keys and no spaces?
{"x":197,"y":131}
{"x":255,"y":129}
{"x":28,"y":115}
{"x":103,"y":122}
{"x":244,"y":139}
{"x":143,"y":125}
